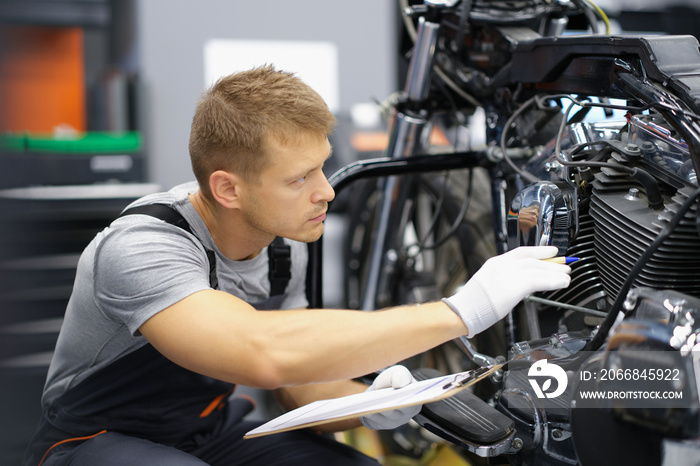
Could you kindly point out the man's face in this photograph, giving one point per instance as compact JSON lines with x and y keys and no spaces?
{"x":292,"y":195}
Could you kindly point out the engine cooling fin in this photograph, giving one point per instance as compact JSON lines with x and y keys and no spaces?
{"x":585,"y":285}
{"x":625,"y":227}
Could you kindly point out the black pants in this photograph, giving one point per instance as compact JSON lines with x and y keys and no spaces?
{"x":224,"y":447}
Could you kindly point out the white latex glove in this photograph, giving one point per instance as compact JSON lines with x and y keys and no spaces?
{"x":503,"y":281}
{"x":392,"y":377}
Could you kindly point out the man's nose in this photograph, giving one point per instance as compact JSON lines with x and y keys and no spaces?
{"x":324,"y":192}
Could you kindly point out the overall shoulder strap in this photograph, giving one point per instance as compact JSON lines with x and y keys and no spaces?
{"x":170,"y":215}
{"x":279,"y":253}
{"x":280,"y":263}
{"x":160,"y":211}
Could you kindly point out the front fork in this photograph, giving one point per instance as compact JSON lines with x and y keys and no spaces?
{"x":409,"y":135}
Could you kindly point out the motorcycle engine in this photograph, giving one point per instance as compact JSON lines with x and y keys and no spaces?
{"x":655,"y":355}
{"x":607,"y":219}
{"x":603,"y":216}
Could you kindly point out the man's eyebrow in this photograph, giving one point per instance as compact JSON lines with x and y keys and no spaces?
{"x":330,"y":154}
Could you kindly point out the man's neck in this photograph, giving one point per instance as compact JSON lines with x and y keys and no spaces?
{"x":227,"y":229}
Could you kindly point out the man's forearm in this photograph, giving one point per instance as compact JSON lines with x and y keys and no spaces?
{"x":216,"y":334}
{"x":347,"y":344}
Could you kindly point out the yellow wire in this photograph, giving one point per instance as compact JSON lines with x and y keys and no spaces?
{"x":602,"y":14}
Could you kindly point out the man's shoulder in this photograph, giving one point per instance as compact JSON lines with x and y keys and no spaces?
{"x":175,"y":196}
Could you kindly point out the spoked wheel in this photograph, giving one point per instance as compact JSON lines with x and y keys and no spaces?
{"x":444,"y":236}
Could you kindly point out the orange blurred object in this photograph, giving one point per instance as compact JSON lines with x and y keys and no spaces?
{"x":377,"y":141}
{"x":42,"y":79}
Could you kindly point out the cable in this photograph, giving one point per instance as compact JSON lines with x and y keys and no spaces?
{"x":601,"y":13}
{"x":540,"y":101}
{"x":457,"y":221}
{"x":589,"y":13}
{"x":576,"y":102}
{"x":523,"y":173}
{"x":433,"y":220}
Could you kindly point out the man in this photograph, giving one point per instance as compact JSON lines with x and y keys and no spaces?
{"x":164,"y":321}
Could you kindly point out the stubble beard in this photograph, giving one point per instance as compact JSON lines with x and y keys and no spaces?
{"x":258,"y":224}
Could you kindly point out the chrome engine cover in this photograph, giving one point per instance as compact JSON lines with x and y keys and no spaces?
{"x":543,"y":214}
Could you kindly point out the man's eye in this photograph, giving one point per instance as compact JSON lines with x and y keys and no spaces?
{"x":301,"y":180}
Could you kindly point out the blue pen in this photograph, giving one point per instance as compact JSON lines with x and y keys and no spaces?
{"x":561,"y":260}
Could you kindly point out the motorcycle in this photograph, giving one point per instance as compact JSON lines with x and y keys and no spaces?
{"x":592,"y":144}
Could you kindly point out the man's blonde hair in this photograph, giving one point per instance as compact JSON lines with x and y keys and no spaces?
{"x":240,"y":112}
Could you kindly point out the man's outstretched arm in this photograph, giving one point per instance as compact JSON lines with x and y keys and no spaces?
{"x":219,"y":335}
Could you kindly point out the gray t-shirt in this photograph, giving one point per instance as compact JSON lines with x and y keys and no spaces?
{"x":137,"y":267}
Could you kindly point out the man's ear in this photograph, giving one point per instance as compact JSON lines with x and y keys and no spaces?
{"x":225,"y":188}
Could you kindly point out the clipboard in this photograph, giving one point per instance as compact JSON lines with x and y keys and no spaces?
{"x":376,"y":401}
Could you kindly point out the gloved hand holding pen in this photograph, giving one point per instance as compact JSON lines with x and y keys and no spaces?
{"x":503,"y":281}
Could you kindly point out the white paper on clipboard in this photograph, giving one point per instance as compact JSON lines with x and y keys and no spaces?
{"x":376,"y":401}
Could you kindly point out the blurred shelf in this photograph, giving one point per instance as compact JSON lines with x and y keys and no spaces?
{"x":86,"y":13}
